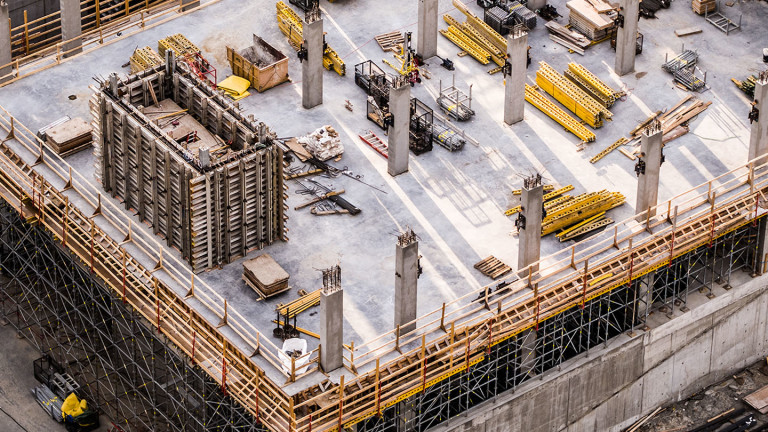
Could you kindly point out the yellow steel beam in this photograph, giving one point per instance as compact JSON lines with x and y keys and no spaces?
{"x":557,"y":114}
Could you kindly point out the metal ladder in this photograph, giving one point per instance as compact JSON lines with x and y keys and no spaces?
{"x":375,"y":142}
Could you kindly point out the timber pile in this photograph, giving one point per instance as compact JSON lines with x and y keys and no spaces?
{"x":592,"y":18}
{"x":703,"y":6}
{"x":265,"y":276}
{"x":493,"y":267}
{"x":570,"y":39}
{"x":69,"y":137}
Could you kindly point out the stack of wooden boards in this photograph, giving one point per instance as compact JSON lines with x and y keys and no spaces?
{"x":144,"y":58}
{"x":702,"y":7}
{"x":570,"y":39}
{"x":291,"y":26}
{"x":593,"y":18}
{"x":577,"y":215}
{"x":304,"y":302}
{"x":69,"y":137}
{"x":265,"y":276}
{"x":475,"y":37}
{"x":674,"y":124}
{"x":579,"y":90}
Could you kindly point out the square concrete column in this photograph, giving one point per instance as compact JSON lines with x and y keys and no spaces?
{"x":626,"y":37}
{"x":535,"y":5}
{"x":426,"y":44}
{"x":331,"y":320}
{"x":189,"y":4}
{"x":312,"y":66}
{"x":514,"y":85}
{"x":398,"y":132}
{"x":529,"y":236}
{"x":406,"y":277}
{"x":71,"y":27}
{"x":758,"y":138}
{"x":5,"y":42}
{"x":648,"y":167}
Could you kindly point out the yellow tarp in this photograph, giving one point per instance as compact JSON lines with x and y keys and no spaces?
{"x":73,"y":406}
{"x":235,"y":87}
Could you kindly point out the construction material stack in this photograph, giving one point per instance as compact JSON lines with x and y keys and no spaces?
{"x":475,"y":37}
{"x":69,"y":137}
{"x":179,"y":44}
{"x":594,"y":19}
{"x":571,"y":96}
{"x":144,"y":58}
{"x":264,"y":275}
{"x":292,"y":26}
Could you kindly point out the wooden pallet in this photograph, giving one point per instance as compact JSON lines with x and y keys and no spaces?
{"x":392,"y":41}
{"x":493,"y":267}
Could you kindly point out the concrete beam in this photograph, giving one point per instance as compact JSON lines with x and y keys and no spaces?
{"x":71,"y":27}
{"x":5,"y":42}
{"x":312,"y":67}
{"x":406,"y":278}
{"x":514,"y":82}
{"x":529,"y":238}
{"x":626,"y":37}
{"x":189,"y":4}
{"x":426,"y":44}
{"x":331,"y":320}
{"x":400,"y":108}
{"x":758,"y":138}
{"x":648,"y":181}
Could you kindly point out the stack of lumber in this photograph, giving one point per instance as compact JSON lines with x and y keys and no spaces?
{"x":549,"y":197}
{"x":493,"y":267}
{"x":703,"y":6}
{"x":592,"y":85}
{"x":304,"y":302}
{"x":265,"y":276}
{"x":571,"y":96}
{"x":592,"y":18}
{"x":180,"y":45}
{"x":557,"y":114}
{"x":143,"y":59}
{"x":69,"y":137}
{"x":581,"y":208}
{"x":291,"y":26}
{"x":587,"y":225}
{"x":475,"y":37}
{"x":570,"y":39}
{"x":392,"y":41}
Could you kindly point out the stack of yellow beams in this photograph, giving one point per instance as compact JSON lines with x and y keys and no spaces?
{"x":180,"y":45}
{"x":475,"y":37}
{"x":548,"y":196}
{"x":300,"y":304}
{"x":579,"y":209}
{"x":144,"y":58}
{"x":291,"y":25}
{"x":595,"y":83}
{"x":590,"y":224}
{"x":557,"y":114}
{"x":571,"y":96}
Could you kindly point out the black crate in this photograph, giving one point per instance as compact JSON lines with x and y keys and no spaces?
{"x":497,"y":18}
{"x":44,"y":368}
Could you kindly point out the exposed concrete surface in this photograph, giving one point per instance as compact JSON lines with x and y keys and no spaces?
{"x":398,"y":142}
{"x":758,"y":134}
{"x":514,"y":83}
{"x":612,"y":386}
{"x":312,"y":67}
{"x":426,"y":38}
{"x":331,"y":329}
{"x":529,"y":238}
{"x":648,"y":181}
{"x":5,"y":40}
{"x":406,"y":279}
{"x":71,"y":27}
{"x":626,"y":37}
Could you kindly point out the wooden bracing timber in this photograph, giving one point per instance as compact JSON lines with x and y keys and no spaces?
{"x":447,"y":341}
{"x":213,"y":216}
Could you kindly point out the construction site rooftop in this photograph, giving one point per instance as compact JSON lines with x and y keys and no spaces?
{"x":454,"y":201}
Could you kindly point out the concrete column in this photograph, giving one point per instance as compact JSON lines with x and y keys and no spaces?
{"x":331,"y":320}
{"x":648,"y":182}
{"x":189,"y":4}
{"x":514,"y":86}
{"x":530,"y":237}
{"x":758,"y":138}
{"x":71,"y":27}
{"x":426,"y":44}
{"x":406,"y":277}
{"x":312,"y":67}
{"x":400,"y":108}
{"x":5,"y":42}
{"x":626,"y":38}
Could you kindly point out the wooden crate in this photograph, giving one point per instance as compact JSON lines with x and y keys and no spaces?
{"x":703,"y":6}
{"x":261,"y":64}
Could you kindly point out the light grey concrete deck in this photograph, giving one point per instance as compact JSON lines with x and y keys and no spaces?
{"x":453,"y":201}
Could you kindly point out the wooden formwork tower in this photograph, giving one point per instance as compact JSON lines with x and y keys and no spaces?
{"x":213,"y":213}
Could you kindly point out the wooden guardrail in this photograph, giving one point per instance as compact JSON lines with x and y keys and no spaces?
{"x":446,"y":341}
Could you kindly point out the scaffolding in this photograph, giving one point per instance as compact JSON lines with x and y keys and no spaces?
{"x":149,"y":359}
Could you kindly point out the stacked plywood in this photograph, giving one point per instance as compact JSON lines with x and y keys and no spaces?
{"x":585,"y":17}
{"x":703,"y":6}
{"x":69,"y":137}
{"x":265,"y":276}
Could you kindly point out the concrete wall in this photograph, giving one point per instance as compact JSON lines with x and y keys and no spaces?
{"x":613,"y":386}
{"x":35,"y":9}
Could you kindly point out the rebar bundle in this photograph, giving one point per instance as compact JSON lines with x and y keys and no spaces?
{"x":686,"y":59}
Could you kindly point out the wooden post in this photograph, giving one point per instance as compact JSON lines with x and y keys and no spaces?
{"x":378,"y":389}
{"x":442,"y":319}
{"x":584,"y":289}
{"x":397,"y":339}
{"x":98,"y":14}
{"x":341,"y":401}
{"x":223,"y":321}
{"x":124,"y":274}
{"x":92,"y":241}
{"x":672,"y":243}
{"x":64,"y":220}
{"x":26,"y":34}
{"x":423,"y":363}
{"x":293,"y":369}
{"x":191,"y":292}
{"x":194,"y":342}
{"x":127,"y":8}
{"x":157,"y":297}
{"x":258,"y":376}
{"x":453,"y":334}
{"x":573,"y":256}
